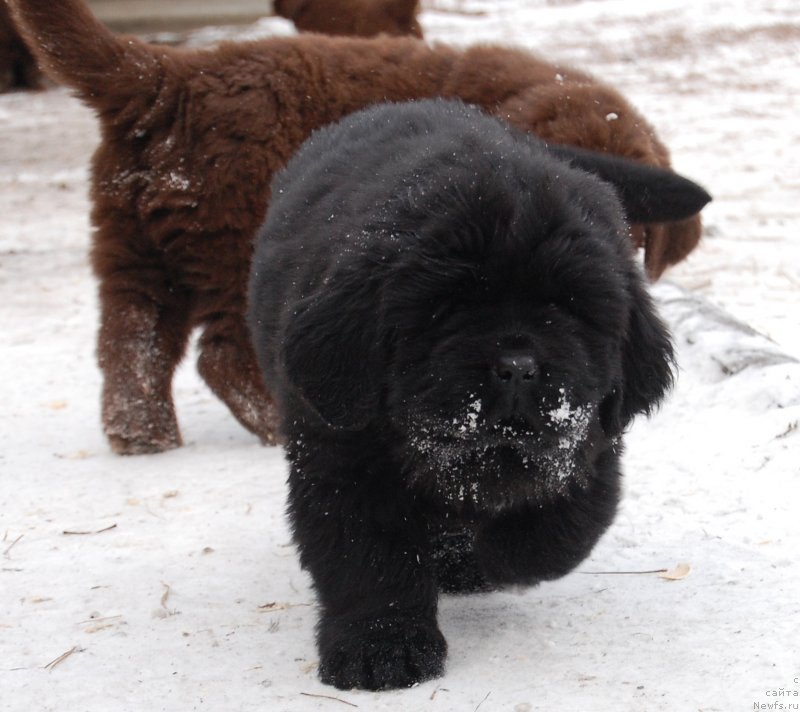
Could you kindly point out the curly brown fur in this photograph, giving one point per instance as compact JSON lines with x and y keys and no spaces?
{"x":18,"y":68}
{"x":359,"y":18}
{"x":190,"y":141}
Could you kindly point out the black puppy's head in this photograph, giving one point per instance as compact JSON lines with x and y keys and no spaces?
{"x":497,"y":325}
{"x":523,"y":341}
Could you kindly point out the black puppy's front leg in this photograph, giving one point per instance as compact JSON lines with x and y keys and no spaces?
{"x":367,"y":553}
{"x":542,"y":541}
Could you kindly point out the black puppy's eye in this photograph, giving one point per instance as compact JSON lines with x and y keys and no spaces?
{"x":440,"y":312}
{"x":446,"y":309}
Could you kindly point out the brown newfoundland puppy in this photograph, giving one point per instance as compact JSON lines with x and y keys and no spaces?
{"x":361,"y":18}
{"x":453,"y":324}
{"x":190,"y":141}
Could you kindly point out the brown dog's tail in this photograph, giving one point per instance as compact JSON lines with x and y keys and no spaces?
{"x":78,"y":50}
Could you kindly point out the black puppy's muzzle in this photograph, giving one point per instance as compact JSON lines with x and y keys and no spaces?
{"x":515,"y":371}
{"x":514,"y":382}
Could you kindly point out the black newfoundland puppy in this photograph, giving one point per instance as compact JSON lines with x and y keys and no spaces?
{"x":451,"y":318}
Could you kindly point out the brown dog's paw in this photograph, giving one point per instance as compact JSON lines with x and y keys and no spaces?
{"x":266,"y":423}
{"x":144,"y":446}
{"x":377,"y":654}
{"x":141,"y":432}
{"x":273,"y":438}
{"x":256,"y":412}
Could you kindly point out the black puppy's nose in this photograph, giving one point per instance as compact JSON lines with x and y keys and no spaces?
{"x":515,"y":370}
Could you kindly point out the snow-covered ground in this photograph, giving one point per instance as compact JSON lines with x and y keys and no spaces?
{"x":168,"y":582}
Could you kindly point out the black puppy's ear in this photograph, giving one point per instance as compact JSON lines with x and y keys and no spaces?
{"x":647,"y":194}
{"x":647,"y":365}
{"x":333,"y":354}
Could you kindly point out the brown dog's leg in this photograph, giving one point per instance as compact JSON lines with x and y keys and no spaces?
{"x":228,"y":365}
{"x":138,"y":355}
{"x":139,"y":346}
{"x":669,"y":243}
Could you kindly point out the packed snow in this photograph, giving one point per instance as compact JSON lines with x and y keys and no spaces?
{"x":169,"y":582}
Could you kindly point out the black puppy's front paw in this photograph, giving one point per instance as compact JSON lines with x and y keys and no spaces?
{"x":377,"y":654}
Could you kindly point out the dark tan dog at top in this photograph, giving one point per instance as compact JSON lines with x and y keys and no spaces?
{"x":190,"y":142}
{"x":360,"y":18}
{"x":18,"y":68}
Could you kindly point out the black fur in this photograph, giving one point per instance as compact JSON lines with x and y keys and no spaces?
{"x":456,"y":331}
